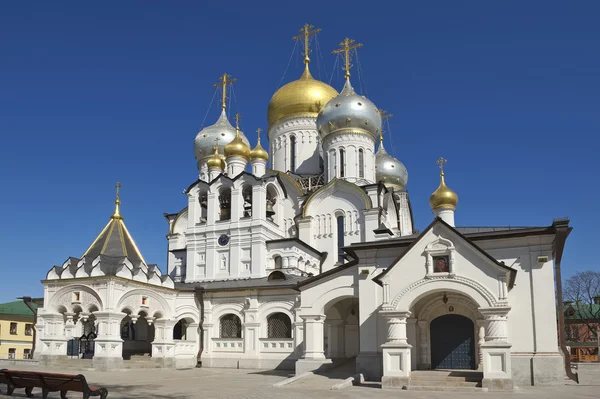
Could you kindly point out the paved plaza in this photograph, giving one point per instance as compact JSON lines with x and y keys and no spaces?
{"x":253,"y":384}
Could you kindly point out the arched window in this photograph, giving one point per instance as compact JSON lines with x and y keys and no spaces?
{"x":230,"y":327}
{"x":342,"y":163}
{"x":279,"y":325}
{"x":179,"y":330}
{"x":277,"y":262}
{"x":340,"y":238}
{"x":293,"y":154}
{"x":361,"y":163}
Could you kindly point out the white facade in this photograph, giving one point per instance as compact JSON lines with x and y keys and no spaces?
{"x":271,"y":269}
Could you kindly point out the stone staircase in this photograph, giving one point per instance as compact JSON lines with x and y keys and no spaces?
{"x":134,"y":362}
{"x":446,"y":380}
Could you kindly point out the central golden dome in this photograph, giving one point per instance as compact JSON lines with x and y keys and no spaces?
{"x":303,"y":97}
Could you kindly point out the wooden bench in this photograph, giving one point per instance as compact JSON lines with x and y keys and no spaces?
{"x":49,"y":382}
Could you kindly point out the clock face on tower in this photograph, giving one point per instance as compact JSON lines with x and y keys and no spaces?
{"x":223,"y":239}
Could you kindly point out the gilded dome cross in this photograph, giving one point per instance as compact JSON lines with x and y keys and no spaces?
{"x":224,"y":81}
{"x":116,"y":214}
{"x":306,"y":33}
{"x":384,"y":115}
{"x":345,"y":47}
{"x":441,"y":163}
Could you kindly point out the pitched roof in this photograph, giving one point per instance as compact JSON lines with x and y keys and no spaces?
{"x":512,"y":271}
{"x":17,"y":308}
{"x":115,"y":241}
{"x":582,"y":311}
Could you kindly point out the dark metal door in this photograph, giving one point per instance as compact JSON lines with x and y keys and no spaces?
{"x":452,"y":342}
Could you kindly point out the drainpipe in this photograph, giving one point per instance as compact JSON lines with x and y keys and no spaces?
{"x":28,"y":302}
{"x":199,"y":295}
{"x":562,"y":232}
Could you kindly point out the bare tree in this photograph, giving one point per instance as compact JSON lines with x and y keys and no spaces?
{"x":583,"y":291}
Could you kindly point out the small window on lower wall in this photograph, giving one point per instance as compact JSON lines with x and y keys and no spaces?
{"x":441,"y":264}
{"x":230,"y":326}
{"x":26,"y":353}
{"x":12,"y":353}
{"x":279,"y":325}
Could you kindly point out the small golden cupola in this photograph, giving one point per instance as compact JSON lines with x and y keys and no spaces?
{"x":258,"y":152}
{"x":237,"y":147}
{"x":443,"y":197}
{"x":303,"y":97}
{"x":216,"y":161}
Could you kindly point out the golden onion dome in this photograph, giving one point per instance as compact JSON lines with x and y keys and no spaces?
{"x":237,"y":147}
{"x":303,"y":97}
{"x":443,"y":197}
{"x":216,"y":161}
{"x":258,"y":152}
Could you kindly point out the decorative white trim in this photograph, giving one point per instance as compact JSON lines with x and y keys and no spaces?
{"x":458,"y":281}
{"x":440,"y":247}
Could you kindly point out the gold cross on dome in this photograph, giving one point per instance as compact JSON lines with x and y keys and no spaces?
{"x":346,"y":46}
{"x":258,"y":132}
{"x":306,"y":33}
{"x":237,"y":121}
{"x":441,"y":163}
{"x":217,"y":145}
{"x":384,"y":114}
{"x":118,"y":187}
{"x":224,"y":81}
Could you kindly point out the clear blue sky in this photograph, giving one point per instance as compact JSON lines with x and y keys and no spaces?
{"x":95,"y":93}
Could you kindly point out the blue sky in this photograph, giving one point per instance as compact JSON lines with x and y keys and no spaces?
{"x":95,"y":93}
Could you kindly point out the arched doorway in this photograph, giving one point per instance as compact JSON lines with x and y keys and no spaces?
{"x":452,"y":342}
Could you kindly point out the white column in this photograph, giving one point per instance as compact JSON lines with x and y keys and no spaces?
{"x":163,"y":346}
{"x":313,"y":357}
{"x":251,"y":328}
{"x":480,"y":342}
{"x":108,"y":349}
{"x":495,"y":351}
{"x":69,"y":326}
{"x":336,"y":336}
{"x":299,"y":338}
{"x":423,"y":345}
{"x":313,"y":336}
{"x":396,"y":351}
{"x":52,"y":336}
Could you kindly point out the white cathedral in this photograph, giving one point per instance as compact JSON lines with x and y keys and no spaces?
{"x":313,"y":261}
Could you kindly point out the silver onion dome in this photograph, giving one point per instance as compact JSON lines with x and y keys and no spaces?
{"x":204,"y":144}
{"x":349,"y":113}
{"x":388,"y":169}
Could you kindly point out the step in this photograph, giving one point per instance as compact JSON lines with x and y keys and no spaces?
{"x":444,"y":383}
{"x":443,"y":388}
